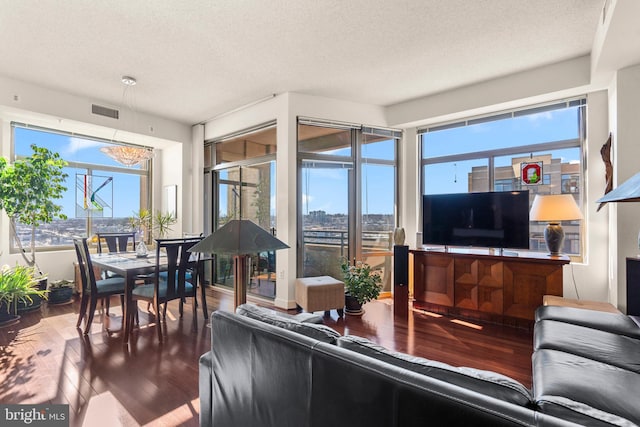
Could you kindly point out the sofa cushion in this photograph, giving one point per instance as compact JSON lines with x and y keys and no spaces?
{"x":610,"y":322}
{"x":614,"y":349}
{"x":486,"y":382}
{"x":320,"y":332}
{"x":583,"y":390}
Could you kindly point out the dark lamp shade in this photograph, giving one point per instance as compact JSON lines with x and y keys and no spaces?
{"x":628,"y":191}
{"x":238,"y":237}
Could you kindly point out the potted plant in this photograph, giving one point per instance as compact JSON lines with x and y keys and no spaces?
{"x":162,"y":222}
{"x":18,"y":284}
{"x":60,"y":291}
{"x":28,"y":189}
{"x":361,"y":285}
{"x":144,"y":221}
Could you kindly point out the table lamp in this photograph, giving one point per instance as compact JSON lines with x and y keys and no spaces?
{"x":240,"y":238}
{"x":554,"y":208}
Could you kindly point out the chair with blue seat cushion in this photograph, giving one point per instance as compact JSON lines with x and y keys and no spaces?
{"x":92,"y":289}
{"x":115,"y":242}
{"x":177,"y":279}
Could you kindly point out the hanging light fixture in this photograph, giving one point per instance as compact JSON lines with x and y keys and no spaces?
{"x":126,"y":154}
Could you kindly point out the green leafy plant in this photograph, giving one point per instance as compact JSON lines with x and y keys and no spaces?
{"x":28,"y":190}
{"x":162,"y":223}
{"x":141,"y":221}
{"x":19,"y":284}
{"x":360,"y":281}
{"x":147,"y":222}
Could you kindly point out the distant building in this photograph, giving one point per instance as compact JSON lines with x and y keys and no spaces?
{"x":557,"y":178}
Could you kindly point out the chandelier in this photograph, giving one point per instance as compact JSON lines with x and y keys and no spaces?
{"x":127,"y":155}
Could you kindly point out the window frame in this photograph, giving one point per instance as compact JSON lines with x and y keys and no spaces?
{"x":145,"y":170}
{"x":491,"y":154}
{"x":355,"y":161}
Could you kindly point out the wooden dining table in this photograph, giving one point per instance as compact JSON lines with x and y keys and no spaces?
{"x":131,"y":267}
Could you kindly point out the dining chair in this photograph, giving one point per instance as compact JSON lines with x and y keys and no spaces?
{"x":116,"y":242}
{"x":92,"y":289}
{"x":175,"y":279}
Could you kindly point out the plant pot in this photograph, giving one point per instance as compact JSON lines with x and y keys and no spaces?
{"x":7,"y":317}
{"x":352,"y":306}
{"x":60,"y":295}
{"x":25,"y":307}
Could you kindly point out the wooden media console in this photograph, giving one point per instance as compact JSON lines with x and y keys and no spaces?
{"x":485,"y":284}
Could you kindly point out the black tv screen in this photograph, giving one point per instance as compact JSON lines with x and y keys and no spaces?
{"x":493,"y":219}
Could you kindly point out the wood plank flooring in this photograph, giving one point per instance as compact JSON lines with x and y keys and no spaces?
{"x":45,"y":359}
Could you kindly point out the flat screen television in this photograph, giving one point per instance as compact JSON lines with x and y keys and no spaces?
{"x":492,"y":219}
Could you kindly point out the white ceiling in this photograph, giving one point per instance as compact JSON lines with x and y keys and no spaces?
{"x":194,"y":59}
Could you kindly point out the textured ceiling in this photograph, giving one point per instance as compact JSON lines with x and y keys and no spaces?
{"x":195,"y":59}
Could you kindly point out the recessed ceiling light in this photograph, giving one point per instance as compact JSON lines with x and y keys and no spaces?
{"x":129,"y":81}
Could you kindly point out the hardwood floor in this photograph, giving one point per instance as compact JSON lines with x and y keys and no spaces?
{"x":45,"y":359}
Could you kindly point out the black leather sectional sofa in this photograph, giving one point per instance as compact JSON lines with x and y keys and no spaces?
{"x":586,"y":366}
{"x":268,"y":370}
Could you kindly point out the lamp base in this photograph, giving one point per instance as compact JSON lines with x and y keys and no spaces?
{"x":554,"y":238}
{"x":240,"y":263}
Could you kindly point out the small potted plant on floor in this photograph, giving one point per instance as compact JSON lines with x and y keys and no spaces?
{"x":18,"y":285}
{"x":60,"y":291}
{"x":361,"y":285}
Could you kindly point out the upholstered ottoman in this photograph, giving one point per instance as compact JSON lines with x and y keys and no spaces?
{"x":320,"y":293}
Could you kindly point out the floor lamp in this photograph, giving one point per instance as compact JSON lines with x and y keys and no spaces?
{"x":628,"y":191}
{"x":240,"y":238}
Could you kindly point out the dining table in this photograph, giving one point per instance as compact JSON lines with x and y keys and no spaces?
{"x":132,"y":267}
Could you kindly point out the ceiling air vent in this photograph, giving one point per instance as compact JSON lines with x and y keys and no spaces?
{"x":104,"y":111}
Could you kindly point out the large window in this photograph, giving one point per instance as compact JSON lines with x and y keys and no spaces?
{"x":101,"y":193}
{"x":489,"y":153}
{"x":347,"y":197}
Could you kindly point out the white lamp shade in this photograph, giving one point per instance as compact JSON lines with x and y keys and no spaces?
{"x":554,"y":208}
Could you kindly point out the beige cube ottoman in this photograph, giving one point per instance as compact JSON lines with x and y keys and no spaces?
{"x":322,"y":293}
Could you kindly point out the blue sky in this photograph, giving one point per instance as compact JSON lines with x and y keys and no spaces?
{"x":326,"y":188}
{"x":122,"y":195}
{"x":555,"y":125}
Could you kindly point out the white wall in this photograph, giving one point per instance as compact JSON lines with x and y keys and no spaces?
{"x":627,"y":150}
{"x":530,"y":87}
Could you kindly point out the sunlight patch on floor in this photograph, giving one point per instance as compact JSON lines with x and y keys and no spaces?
{"x":426,"y":313}
{"x":179,"y":416}
{"x":105,"y":410}
{"x":467,"y":324}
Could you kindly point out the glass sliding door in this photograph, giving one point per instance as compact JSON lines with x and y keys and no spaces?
{"x":325,"y":217}
{"x":248,"y":192}
{"x":258,"y":205}
{"x":347,"y":198}
{"x":244,"y":188}
{"x":378,"y":204}
{"x":325,"y":199}
{"x":228,"y":208}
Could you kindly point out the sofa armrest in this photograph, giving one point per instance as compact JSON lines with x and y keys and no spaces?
{"x":205,"y":388}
